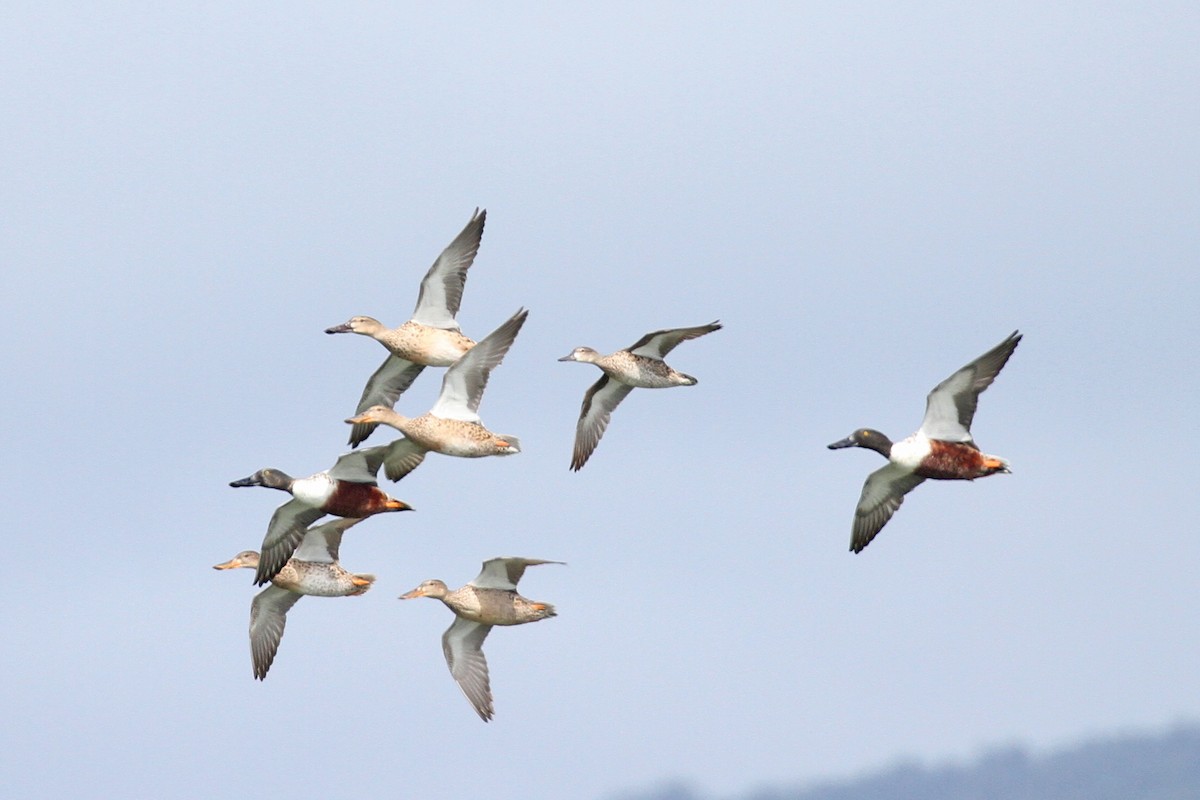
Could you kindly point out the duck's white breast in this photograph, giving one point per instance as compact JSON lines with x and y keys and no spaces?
{"x":314,"y":490}
{"x":910,"y":452}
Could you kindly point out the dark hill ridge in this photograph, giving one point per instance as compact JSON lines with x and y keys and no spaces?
{"x":1165,"y":766}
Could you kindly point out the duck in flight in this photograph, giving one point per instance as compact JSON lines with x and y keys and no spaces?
{"x":490,"y":599}
{"x":431,"y":338}
{"x":640,"y":365}
{"x":452,"y":426}
{"x":313,"y":570}
{"x":347,"y":489}
{"x":941,"y":449}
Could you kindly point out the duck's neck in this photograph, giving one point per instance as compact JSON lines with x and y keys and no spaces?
{"x":879,"y":443}
{"x":278,"y":480}
{"x":394,"y":418}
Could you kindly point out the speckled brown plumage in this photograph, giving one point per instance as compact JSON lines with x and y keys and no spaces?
{"x":490,"y":599}
{"x":640,"y":365}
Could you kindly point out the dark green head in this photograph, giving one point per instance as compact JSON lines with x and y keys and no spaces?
{"x":271,"y":478}
{"x":868,"y":438}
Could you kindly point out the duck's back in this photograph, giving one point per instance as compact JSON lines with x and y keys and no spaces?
{"x":422,"y":344}
{"x":643,"y":372}
{"x":316,"y":579}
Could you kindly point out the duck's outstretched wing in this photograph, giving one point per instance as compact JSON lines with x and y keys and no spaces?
{"x":598,"y":403}
{"x":384,"y":388}
{"x":950,"y":407}
{"x":321,"y":543}
{"x":442,"y":287}
{"x":284,"y":533}
{"x":403,"y":457}
{"x":465,"y":380}
{"x":505,"y":572}
{"x":882,"y":494}
{"x":463,"y":645}
{"x":268,"y":616}
{"x":360,"y":466}
{"x":658,"y":343}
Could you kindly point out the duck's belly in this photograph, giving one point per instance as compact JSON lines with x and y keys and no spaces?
{"x":652,"y":380}
{"x":648,"y":374}
{"x":468,"y":449}
{"x":356,"y":500}
{"x":950,"y":461}
{"x":321,"y":580}
{"x":450,"y":437}
{"x":489,"y":606}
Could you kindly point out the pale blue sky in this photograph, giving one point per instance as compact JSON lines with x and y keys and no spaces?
{"x":867,"y":195}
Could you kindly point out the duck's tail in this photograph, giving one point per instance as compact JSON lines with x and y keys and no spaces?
{"x":361,"y":583}
{"x":543,"y":610}
{"x":994,"y":464}
{"x":508,"y":445}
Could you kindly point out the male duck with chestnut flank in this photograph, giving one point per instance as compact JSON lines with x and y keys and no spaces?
{"x":490,"y":599}
{"x":431,"y":338}
{"x":941,"y":449}
{"x":640,"y":365}
{"x":347,"y":489}
{"x":452,"y":426}
{"x":313,"y":570}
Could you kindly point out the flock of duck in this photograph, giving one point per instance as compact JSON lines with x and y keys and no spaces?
{"x":300,"y":557}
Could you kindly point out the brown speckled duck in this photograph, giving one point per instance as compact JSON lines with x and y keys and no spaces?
{"x":640,"y":365}
{"x":431,"y":338}
{"x":313,"y":570}
{"x":452,"y":426}
{"x":491,"y":599}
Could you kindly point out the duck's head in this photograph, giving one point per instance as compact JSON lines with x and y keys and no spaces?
{"x":246,"y":558}
{"x":374,"y":415}
{"x":584,"y":354}
{"x":865,"y":437}
{"x":364,"y":325}
{"x":269,"y":477}
{"x":431,"y":588}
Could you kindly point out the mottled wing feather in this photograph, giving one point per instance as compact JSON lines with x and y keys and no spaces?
{"x":268,"y":616}
{"x":505,"y":572}
{"x":442,"y":287}
{"x":659,"y":343}
{"x":882,"y":494}
{"x":465,"y":380}
{"x":403,"y":457}
{"x":384,"y":388}
{"x":463,"y":645}
{"x":950,"y":407}
{"x":321,"y":543}
{"x":284,"y":533}
{"x":598,"y":403}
